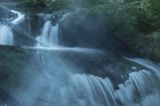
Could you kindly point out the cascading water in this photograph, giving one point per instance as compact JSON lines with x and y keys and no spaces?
{"x":20,"y":17}
{"x":139,"y":90}
{"x":95,"y":91}
{"x":155,"y":68}
{"x":58,"y":83}
{"x":48,"y":39}
{"x":75,"y":89}
{"x":49,"y":35}
{"x":6,"y":35}
{"x":90,"y":90}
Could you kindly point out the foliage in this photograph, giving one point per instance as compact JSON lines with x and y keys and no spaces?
{"x":135,"y":22}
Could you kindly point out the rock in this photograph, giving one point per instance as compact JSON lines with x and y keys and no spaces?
{"x":26,"y":31}
{"x":4,"y":13}
{"x":14,"y":60}
{"x":88,"y":29}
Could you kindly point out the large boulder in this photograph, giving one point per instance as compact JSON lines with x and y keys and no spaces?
{"x":102,"y":25}
{"x":87,"y":28}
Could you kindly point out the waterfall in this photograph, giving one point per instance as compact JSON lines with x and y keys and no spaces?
{"x":49,"y":35}
{"x":88,"y":90}
{"x":146,"y":63}
{"x":48,"y":39}
{"x":59,"y":82}
{"x":6,"y":35}
{"x":20,"y":17}
{"x":139,"y":89}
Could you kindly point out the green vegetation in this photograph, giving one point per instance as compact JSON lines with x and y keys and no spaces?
{"x":136,"y":22}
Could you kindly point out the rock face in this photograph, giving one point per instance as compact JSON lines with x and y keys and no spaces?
{"x":86,"y":29}
{"x":26,"y":31}
{"x":4,"y":13}
{"x":12,"y":63}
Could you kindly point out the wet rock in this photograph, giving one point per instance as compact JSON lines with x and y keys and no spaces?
{"x":4,"y":13}
{"x":27,"y":30}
